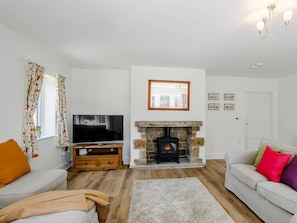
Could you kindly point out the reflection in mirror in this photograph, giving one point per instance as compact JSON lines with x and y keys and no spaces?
{"x":168,"y":95}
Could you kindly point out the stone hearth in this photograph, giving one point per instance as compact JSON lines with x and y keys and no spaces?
{"x":186,"y":131}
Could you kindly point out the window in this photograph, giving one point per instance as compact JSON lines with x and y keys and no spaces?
{"x":45,"y":115}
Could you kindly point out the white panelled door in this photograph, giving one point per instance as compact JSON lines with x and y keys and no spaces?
{"x":258,"y":118}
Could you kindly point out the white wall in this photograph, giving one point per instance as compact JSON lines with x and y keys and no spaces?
{"x":223,"y":132}
{"x":14,"y":49}
{"x":103,"y":92}
{"x":139,"y":99}
{"x":288,"y":110}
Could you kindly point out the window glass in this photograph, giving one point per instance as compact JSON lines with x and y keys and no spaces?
{"x":45,"y":115}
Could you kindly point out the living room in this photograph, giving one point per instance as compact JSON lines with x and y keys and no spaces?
{"x":95,"y":91}
{"x":221,"y":130}
{"x":88,"y":95}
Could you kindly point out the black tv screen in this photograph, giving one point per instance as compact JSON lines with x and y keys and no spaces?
{"x":95,"y":128}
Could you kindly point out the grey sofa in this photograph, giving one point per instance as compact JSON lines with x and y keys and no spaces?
{"x":18,"y":182}
{"x":272,"y":202}
{"x":40,"y":181}
{"x":34,"y":182}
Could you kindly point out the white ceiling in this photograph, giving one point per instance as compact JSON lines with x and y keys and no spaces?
{"x":216,"y":35}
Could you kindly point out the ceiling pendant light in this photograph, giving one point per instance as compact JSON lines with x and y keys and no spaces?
{"x":266,"y":24}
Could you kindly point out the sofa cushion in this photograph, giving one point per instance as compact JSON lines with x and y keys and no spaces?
{"x":247,"y":174}
{"x":279,"y":194}
{"x":13,"y":162}
{"x":261,"y":152}
{"x":272,"y":164}
{"x":289,"y":175}
{"x":32,"y":183}
{"x":67,"y":216}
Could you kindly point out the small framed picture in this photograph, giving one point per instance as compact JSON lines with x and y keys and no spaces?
{"x":213,"y":106}
{"x":229,"y":107}
{"x":213,"y":96}
{"x":229,"y":97}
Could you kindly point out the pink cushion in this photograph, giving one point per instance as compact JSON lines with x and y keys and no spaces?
{"x":272,"y":164}
{"x":289,"y":175}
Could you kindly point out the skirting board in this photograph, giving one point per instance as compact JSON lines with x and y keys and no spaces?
{"x":215,"y":156}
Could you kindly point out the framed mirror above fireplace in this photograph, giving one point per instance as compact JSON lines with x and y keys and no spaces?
{"x":168,"y":95}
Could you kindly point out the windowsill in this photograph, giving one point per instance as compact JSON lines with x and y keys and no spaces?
{"x":44,"y":137}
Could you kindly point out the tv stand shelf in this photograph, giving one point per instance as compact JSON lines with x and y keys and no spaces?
{"x":97,"y":157}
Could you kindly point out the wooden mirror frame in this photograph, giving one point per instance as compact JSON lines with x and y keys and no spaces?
{"x":179,"y":94}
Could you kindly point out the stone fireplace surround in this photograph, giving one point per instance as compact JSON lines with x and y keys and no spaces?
{"x":184,"y":130}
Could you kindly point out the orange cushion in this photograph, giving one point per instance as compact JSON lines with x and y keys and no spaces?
{"x":13,"y":162}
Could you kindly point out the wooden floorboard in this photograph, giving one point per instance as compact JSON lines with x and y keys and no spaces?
{"x":119,"y":184}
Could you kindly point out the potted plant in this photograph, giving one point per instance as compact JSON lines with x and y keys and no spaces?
{"x":38,"y":131}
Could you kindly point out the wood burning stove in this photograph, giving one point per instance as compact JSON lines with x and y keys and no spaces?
{"x":167,"y":148}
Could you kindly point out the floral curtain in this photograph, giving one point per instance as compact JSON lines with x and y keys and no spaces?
{"x":35,"y":76}
{"x":63,"y":138}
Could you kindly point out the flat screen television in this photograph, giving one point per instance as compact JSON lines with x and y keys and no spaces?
{"x":96,"y":128}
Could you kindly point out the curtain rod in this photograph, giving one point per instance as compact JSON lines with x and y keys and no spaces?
{"x":51,"y":71}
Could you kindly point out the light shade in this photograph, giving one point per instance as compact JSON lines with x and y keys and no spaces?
{"x":265,"y":15}
{"x":260,"y":26}
{"x":288,"y":16}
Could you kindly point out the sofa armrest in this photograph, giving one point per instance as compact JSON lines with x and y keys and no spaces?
{"x":244,"y":157}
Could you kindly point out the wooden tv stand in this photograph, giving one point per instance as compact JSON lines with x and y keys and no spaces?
{"x":97,"y":157}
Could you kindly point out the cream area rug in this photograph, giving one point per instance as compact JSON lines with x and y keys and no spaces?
{"x":181,"y":200}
